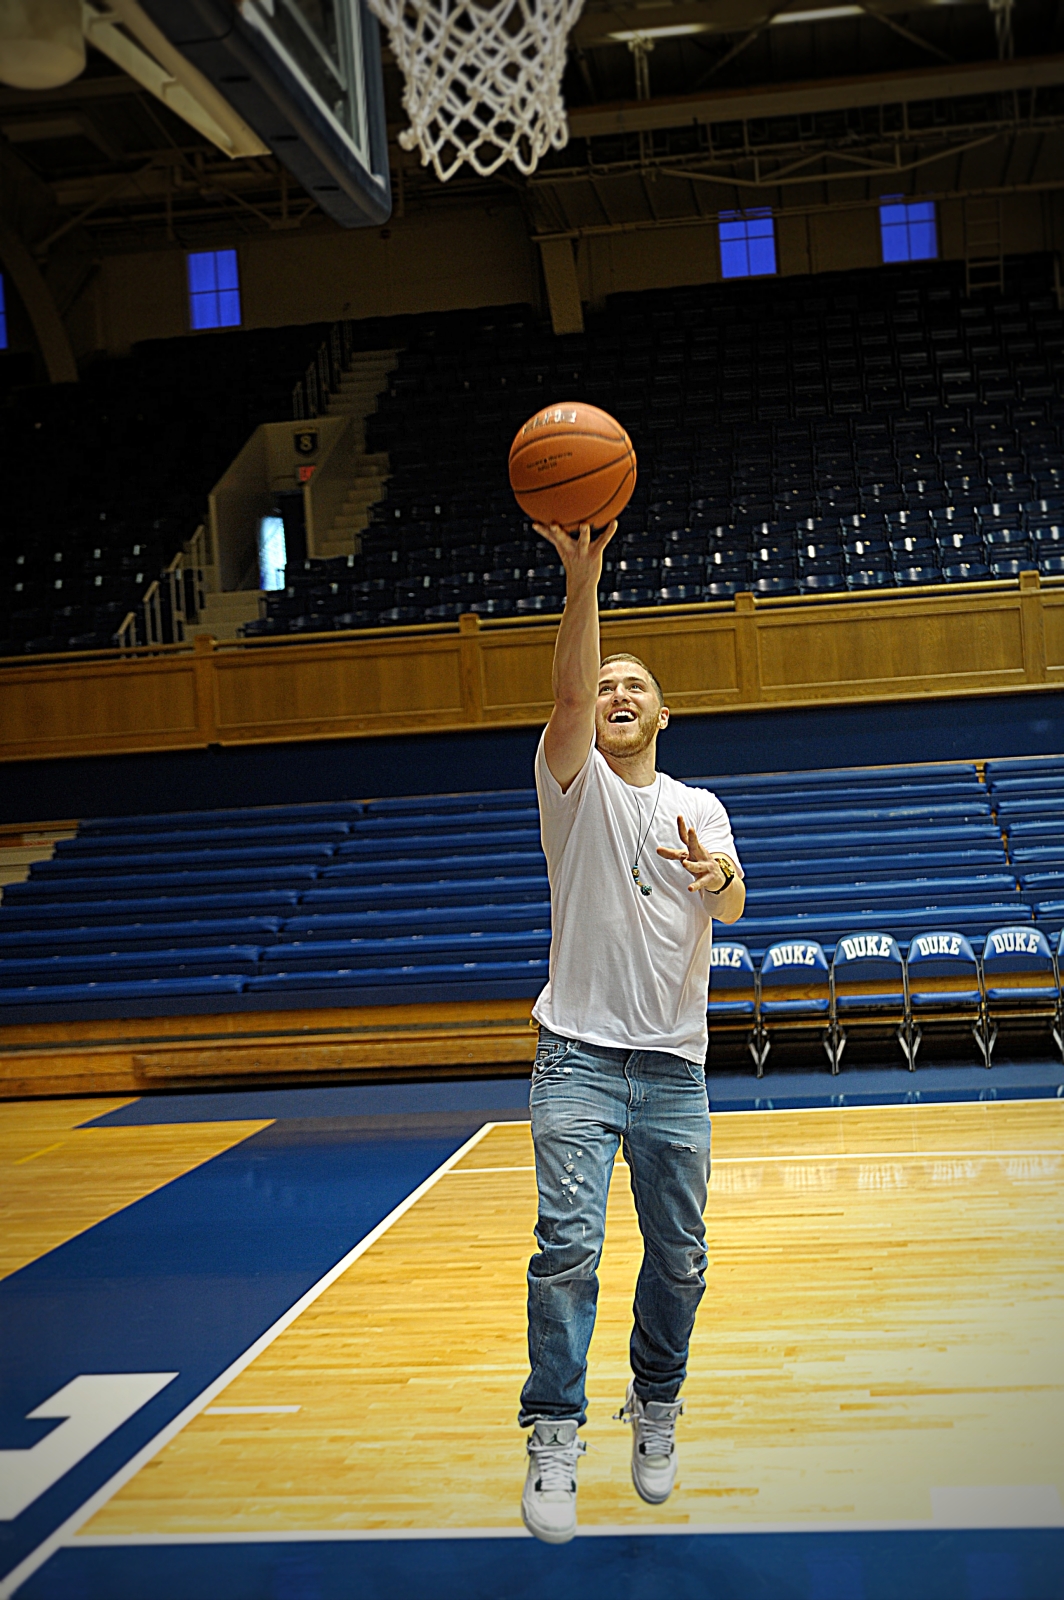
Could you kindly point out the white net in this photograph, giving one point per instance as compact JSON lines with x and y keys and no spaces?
{"x":483,"y":80}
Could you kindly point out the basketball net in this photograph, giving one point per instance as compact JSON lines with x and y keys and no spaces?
{"x":483,"y":79}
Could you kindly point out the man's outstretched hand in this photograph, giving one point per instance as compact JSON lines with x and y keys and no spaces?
{"x":695,"y":859}
{"x":580,"y":556}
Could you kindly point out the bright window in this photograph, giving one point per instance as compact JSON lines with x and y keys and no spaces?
{"x":213,"y":289}
{"x":747,"y":244}
{"x":272,"y":553}
{"x":908,"y":229}
{"x":3,"y":317}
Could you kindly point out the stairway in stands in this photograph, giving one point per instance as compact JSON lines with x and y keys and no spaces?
{"x":329,"y":904}
{"x":361,"y":387}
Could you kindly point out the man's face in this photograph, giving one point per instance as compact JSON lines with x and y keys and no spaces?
{"x":628,"y":713}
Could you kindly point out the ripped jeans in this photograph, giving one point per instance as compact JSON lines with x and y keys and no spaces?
{"x":585,"y":1101}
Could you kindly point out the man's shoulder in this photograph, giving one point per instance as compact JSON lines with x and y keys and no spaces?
{"x":700,"y":806}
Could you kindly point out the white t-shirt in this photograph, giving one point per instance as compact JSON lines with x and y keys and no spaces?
{"x":627,"y":970}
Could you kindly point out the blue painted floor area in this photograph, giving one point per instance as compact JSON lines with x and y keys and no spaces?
{"x":482,"y":1099}
{"x":187,"y":1278}
{"x":1010,"y":1565}
{"x":506,"y":1099}
{"x":893,"y":1085}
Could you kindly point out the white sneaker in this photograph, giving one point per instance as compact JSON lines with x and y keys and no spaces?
{"x":654,"y":1458}
{"x":548,"y":1504}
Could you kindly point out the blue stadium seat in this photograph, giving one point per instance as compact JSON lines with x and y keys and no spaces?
{"x":944,"y":982}
{"x":868,"y":987}
{"x":1021,"y":979}
{"x":733,"y":991}
{"x":794,"y":993}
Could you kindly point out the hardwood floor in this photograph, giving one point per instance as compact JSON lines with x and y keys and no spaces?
{"x":884,"y":1321}
{"x":57,"y":1179}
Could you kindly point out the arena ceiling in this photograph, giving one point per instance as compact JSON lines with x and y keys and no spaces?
{"x":678,"y":109}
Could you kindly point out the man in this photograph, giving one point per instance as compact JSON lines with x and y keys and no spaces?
{"x":622,"y":1045}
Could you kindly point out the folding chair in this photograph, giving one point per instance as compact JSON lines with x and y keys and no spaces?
{"x":733,"y":991}
{"x":942,"y":972}
{"x":868,"y":989}
{"x":794,"y":993}
{"x":1021,"y":978}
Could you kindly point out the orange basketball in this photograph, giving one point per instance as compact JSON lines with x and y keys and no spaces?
{"x":572,"y":463}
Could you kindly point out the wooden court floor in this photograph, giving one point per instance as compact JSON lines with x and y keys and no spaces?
{"x":880,"y":1344}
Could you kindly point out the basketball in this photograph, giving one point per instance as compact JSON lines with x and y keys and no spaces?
{"x":572,"y":463}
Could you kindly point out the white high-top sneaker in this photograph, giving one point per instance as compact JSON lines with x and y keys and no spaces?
{"x":548,"y":1504}
{"x":654,"y":1458}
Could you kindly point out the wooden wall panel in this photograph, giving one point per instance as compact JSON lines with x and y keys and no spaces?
{"x":1054,"y":631}
{"x":359,"y":689}
{"x":516,"y":671}
{"x":695,"y":657}
{"x":709,"y":658}
{"x":882,"y":643}
{"x":79,"y":708}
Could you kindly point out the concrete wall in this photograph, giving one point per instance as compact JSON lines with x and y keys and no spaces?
{"x":455,"y":258}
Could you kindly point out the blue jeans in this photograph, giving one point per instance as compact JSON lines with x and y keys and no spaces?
{"x":586,"y":1100}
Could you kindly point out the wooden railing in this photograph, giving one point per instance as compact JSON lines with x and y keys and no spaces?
{"x":728,"y":656}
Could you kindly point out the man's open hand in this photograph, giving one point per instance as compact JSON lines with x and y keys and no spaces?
{"x":695,"y":859}
{"x":581,"y":557}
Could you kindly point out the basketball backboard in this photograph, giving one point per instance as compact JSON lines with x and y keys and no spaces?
{"x":306,"y":76}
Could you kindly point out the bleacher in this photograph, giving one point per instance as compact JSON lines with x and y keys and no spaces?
{"x":856,"y":434}
{"x":104,"y":480}
{"x":445,"y":897}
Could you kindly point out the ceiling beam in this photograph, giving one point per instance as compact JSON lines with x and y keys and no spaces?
{"x":831,"y":94}
{"x":600,"y":27}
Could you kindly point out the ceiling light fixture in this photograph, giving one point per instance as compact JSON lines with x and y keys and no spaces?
{"x":824,"y":14}
{"x":678,"y":31}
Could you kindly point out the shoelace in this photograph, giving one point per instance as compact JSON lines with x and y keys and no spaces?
{"x":555,"y":1463}
{"x":657,"y":1435}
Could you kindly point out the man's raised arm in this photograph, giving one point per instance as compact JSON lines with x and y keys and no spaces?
{"x":577,"y":656}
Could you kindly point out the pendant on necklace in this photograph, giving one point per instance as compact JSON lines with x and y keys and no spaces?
{"x":644,"y":888}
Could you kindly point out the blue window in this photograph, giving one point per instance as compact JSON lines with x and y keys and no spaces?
{"x":747,"y":243}
{"x":908,"y":229}
{"x":3,"y":317}
{"x":213,"y":289}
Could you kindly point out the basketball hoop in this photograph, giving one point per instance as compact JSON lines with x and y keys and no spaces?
{"x":483,"y":79}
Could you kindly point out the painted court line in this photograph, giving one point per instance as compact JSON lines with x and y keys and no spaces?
{"x":64,"y":1533}
{"x":619,"y":1530}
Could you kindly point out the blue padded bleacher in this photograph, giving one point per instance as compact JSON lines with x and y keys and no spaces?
{"x":444,"y":896}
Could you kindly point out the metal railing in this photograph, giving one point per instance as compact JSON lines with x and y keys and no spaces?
{"x":171,"y":603}
{"x":310,"y":397}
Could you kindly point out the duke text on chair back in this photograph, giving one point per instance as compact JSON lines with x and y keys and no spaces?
{"x":868,"y":989}
{"x":944,"y":986}
{"x":795,"y":993}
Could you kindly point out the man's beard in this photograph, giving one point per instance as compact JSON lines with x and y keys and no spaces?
{"x":626,"y":745}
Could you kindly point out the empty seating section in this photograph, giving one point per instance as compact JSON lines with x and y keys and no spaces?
{"x":104,"y":480}
{"x":864,"y":431}
{"x":888,"y":903}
